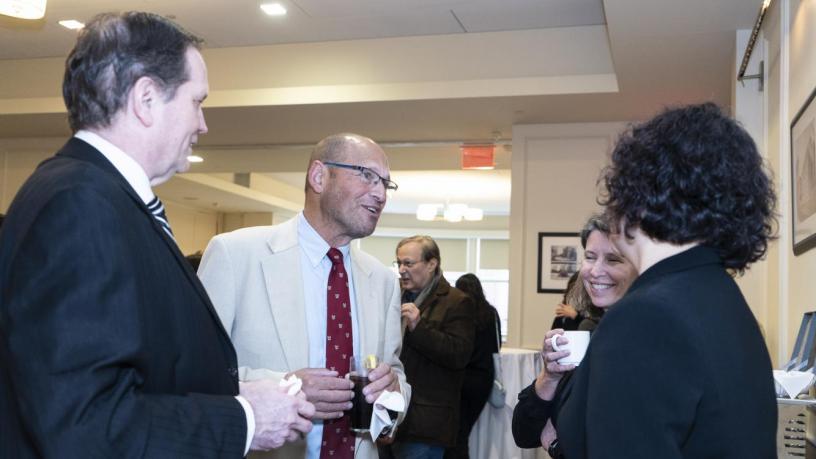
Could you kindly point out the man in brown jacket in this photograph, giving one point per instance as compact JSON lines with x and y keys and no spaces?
{"x":436,"y":347}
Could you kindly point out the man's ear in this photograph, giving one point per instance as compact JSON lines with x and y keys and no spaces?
{"x":316,"y":176}
{"x":143,"y":98}
{"x":432,"y":264}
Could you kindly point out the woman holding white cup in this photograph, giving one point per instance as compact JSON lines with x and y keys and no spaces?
{"x":605,"y":276}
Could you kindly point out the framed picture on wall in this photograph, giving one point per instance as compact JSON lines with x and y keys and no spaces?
{"x":803,"y":177}
{"x":559,"y":256}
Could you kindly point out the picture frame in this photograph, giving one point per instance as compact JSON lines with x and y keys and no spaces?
{"x":559,"y":256}
{"x":803,"y":177}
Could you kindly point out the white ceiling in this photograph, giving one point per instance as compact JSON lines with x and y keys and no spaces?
{"x":426,"y":72}
{"x":230,"y":23}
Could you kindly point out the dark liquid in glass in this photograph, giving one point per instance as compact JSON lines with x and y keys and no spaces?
{"x":361,"y":410}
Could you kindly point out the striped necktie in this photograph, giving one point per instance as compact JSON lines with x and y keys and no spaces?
{"x":157,"y":209}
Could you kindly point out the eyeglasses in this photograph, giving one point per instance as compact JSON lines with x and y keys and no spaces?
{"x":407,"y":263}
{"x":368,"y":175}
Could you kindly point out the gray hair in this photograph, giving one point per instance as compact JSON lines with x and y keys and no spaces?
{"x":114,"y":51}
{"x":429,"y":249}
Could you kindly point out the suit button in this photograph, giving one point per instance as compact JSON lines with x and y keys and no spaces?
{"x":232,"y":371}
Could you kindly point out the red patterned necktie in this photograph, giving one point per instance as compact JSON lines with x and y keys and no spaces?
{"x":338,"y":442}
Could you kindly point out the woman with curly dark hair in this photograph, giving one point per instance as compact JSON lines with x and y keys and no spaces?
{"x":678,"y":368}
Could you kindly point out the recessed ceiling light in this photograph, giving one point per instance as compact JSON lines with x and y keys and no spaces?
{"x":71,"y":24}
{"x":273,"y":9}
{"x":195,"y":159}
{"x":23,"y":9}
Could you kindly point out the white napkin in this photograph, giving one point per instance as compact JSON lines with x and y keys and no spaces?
{"x":793,"y":382}
{"x":379,"y":418}
{"x":293,"y":384}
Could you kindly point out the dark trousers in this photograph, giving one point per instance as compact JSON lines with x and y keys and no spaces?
{"x":474,"y":396}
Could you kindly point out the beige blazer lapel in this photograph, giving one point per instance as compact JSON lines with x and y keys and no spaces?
{"x":366,"y":299}
{"x":284,"y":288}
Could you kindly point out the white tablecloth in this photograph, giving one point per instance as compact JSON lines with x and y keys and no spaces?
{"x":492,"y":437}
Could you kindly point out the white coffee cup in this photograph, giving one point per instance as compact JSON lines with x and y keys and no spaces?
{"x":577,"y":346}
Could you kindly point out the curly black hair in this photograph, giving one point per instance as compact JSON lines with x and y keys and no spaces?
{"x":692,"y":174}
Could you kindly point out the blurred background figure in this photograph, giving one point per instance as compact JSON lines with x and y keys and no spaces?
{"x":576,"y":311}
{"x":479,"y":372}
{"x":436,"y":348}
{"x":566,"y":314}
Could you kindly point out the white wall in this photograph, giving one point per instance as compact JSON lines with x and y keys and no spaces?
{"x":799,"y":82}
{"x":555,"y":169}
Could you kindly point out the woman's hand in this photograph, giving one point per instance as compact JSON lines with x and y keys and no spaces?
{"x":548,"y":435}
{"x":565,"y":310}
{"x":551,"y":371}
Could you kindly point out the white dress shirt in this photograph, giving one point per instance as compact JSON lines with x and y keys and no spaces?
{"x":316,"y":266}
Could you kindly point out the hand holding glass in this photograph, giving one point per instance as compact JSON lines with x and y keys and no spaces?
{"x":361,"y":411}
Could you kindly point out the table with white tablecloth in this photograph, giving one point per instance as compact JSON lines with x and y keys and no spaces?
{"x":492,"y":437}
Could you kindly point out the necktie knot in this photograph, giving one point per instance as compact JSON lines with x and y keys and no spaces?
{"x":335,"y":256}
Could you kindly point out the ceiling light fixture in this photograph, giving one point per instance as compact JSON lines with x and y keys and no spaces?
{"x":453,"y":213}
{"x":71,"y":24}
{"x":195,"y":159}
{"x":273,"y":9}
{"x":23,"y":9}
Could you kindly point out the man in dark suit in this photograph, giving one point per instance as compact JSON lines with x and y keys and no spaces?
{"x":109,"y":345}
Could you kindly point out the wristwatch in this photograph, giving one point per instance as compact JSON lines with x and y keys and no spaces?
{"x":553,"y":448}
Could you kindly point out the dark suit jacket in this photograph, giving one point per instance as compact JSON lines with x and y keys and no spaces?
{"x":435,"y":355}
{"x":109,"y":346}
{"x":676,"y":369}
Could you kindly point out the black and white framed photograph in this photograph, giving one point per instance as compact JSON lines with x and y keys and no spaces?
{"x":559,"y":257}
{"x":803,"y":177}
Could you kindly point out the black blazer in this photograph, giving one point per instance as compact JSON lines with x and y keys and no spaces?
{"x":676,"y":369}
{"x":435,"y":355}
{"x":109,"y":346}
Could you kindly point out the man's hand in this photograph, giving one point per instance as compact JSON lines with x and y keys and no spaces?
{"x":330,"y":393}
{"x":278,"y":417}
{"x":410,"y":312}
{"x":380,"y":379}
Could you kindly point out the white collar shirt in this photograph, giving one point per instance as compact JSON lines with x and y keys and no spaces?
{"x":315,"y":267}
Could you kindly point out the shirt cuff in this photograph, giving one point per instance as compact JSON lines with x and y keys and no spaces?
{"x":250,"y":417}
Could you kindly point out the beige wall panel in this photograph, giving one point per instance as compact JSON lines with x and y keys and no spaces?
{"x":494,"y":254}
{"x":192,"y":228}
{"x":15,"y":168}
{"x":555,"y":169}
{"x":801,"y":270}
{"x":381,"y":248}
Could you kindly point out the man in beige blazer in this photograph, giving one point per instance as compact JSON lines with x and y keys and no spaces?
{"x":268,"y":285}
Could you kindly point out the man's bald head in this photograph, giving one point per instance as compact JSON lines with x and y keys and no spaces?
{"x":341,"y":148}
{"x":336,"y":147}
{"x":344,"y":197}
